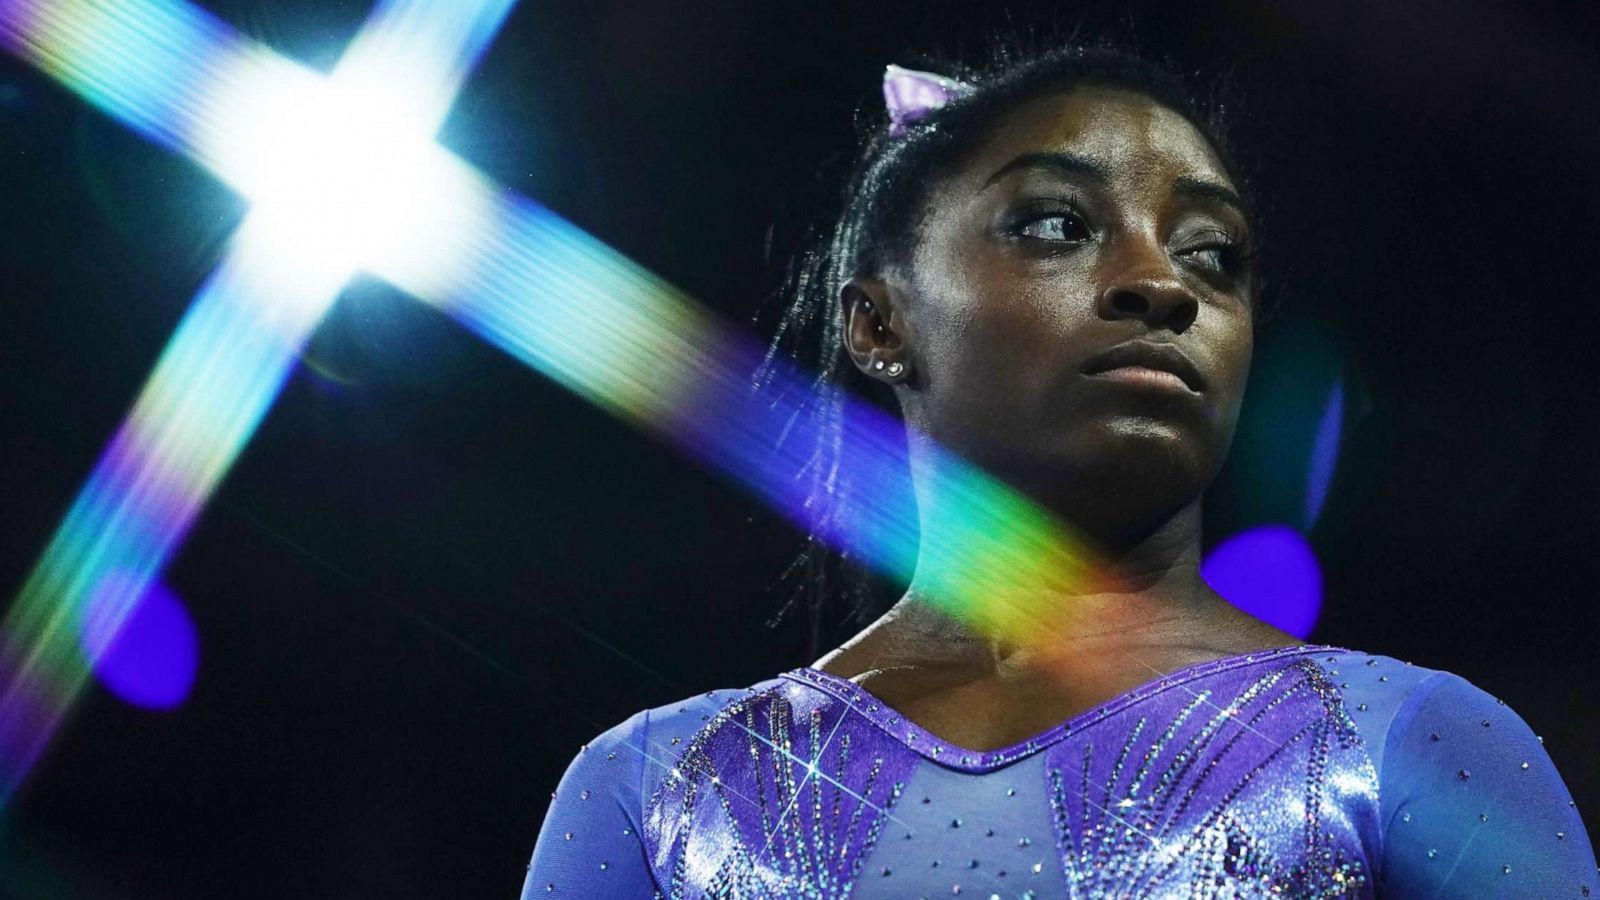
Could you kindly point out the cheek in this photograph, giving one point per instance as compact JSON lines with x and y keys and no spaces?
{"x":1232,"y":351}
{"x":1005,"y":335}
{"x":995,"y":297}
{"x":966,"y":339}
{"x":988,"y":333}
{"x":1236,"y":350}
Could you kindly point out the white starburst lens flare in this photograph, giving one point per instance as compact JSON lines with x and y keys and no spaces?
{"x":343,"y":175}
{"x":339,"y":171}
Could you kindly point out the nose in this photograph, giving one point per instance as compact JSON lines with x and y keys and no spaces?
{"x":1143,"y":285}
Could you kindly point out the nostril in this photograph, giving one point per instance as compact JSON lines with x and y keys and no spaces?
{"x":1184,"y":316}
{"x":1130,"y":303}
{"x":1174,"y":308}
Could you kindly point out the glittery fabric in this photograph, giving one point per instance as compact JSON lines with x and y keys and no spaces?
{"x":775,"y":798}
{"x":1252,"y":782}
{"x":1302,"y":772}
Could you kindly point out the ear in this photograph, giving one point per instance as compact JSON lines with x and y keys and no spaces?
{"x":874,"y":327}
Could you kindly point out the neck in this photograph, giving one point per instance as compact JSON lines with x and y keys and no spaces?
{"x":1004,"y":587}
{"x":1148,"y":594}
{"x":1153,"y":613}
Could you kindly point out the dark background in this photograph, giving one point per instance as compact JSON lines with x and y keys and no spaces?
{"x":433,"y":573}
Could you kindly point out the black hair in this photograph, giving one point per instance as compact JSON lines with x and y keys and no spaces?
{"x":884,"y":202}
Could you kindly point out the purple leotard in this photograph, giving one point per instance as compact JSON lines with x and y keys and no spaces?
{"x":1299,"y":772}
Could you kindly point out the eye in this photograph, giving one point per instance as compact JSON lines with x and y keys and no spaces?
{"x":1056,"y":225}
{"x":1220,"y":254}
{"x":1213,"y":257}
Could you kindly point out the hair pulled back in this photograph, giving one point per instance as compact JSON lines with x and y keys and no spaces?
{"x":885,"y":201}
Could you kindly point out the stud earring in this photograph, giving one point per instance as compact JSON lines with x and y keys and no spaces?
{"x":878,"y":365}
{"x":895,"y":369}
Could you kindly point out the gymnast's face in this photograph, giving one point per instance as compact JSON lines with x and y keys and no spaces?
{"x":1084,"y":220}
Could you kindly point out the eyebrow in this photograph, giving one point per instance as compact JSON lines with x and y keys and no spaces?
{"x":1186,"y":186}
{"x":1200,"y":189}
{"x":1070,"y":163}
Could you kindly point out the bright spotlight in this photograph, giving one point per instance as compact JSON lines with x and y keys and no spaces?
{"x":342,"y":175}
{"x":336,"y":169}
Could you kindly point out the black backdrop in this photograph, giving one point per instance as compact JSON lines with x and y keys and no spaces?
{"x":433,"y":573}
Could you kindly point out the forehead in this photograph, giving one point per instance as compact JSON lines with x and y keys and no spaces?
{"x":1135,"y":138}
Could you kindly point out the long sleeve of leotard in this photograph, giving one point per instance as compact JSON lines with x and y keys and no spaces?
{"x":1472,"y":805}
{"x":590,"y":845}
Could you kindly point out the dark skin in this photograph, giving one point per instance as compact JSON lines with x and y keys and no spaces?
{"x":1085,"y":218}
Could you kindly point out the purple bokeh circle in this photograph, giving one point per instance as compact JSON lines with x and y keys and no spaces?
{"x":1270,"y":572}
{"x":151,"y":659}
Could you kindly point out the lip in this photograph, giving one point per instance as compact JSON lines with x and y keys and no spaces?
{"x":1127,"y":358}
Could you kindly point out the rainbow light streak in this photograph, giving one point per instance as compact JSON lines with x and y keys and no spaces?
{"x":143,"y":63}
{"x":215,"y":380}
{"x":564,"y":303}
{"x":230,"y":355}
{"x":510,"y":270}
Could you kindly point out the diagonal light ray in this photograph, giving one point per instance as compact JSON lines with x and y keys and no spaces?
{"x":222,"y":368}
{"x":147,"y":64}
{"x":143,"y":495}
{"x":511,"y":271}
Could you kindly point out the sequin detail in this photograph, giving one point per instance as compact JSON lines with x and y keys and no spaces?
{"x":1257,"y":788}
{"x":1246,"y":777}
{"x":773,"y":798}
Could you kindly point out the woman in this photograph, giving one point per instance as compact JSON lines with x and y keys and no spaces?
{"x":1049,"y":264}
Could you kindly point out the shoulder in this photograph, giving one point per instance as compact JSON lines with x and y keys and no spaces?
{"x":1471,"y":803}
{"x":679,"y":720}
{"x":1448,"y":731}
{"x":1401,"y":708}
{"x":595,"y":822}
{"x":1380,"y":693}
{"x":648,"y":743}
{"x":1404,"y":710}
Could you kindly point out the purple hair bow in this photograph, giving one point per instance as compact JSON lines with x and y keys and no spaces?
{"x":909,"y":95}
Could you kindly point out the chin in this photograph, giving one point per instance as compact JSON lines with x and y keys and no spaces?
{"x":1142,"y":448}
{"x":1127,"y":477}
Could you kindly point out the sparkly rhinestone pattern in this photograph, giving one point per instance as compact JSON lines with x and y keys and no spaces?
{"x":1300,"y":772}
{"x":1225,"y":788}
{"x":775,"y":797}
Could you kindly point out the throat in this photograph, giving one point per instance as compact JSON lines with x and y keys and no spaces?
{"x":985,"y":717}
{"x":994,"y":710}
